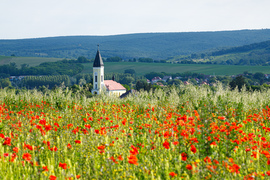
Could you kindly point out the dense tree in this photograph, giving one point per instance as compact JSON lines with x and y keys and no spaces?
{"x":114,"y":59}
{"x":130,"y":71}
{"x":5,"y":83}
{"x":238,"y":82}
{"x":82,"y":59}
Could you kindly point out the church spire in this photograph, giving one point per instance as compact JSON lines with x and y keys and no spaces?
{"x":98,"y":60}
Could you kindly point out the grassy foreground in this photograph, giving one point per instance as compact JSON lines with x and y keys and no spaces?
{"x":183,"y":133}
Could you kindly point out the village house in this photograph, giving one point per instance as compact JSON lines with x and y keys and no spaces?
{"x":166,"y":78}
{"x":156,"y":79}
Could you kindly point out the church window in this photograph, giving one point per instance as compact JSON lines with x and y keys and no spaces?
{"x":96,"y":86}
{"x":101,"y":78}
{"x":95,"y":78}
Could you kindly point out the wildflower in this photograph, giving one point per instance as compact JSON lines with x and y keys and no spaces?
{"x":45,"y":168}
{"x":52,"y":177}
{"x":172,"y":174}
{"x":27,"y":156}
{"x":63,"y":165}
{"x":175,"y":142}
{"x":193,"y":149}
{"x":69,"y":146}
{"x":166,"y":145}
{"x":120,"y":158}
{"x":234,"y":168}
{"x":113,"y":159}
{"x":268,"y":173}
{"x":16,"y":149}
{"x":78,"y":176}
{"x":78,"y":141}
{"x":132,"y":160}
{"x":189,"y":167}
{"x":134,"y":150}
{"x":101,"y":147}
{"x":7,"y":141}
{"x":184,"y":156}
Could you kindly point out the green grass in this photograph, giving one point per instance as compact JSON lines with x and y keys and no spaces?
{"x":32,"y":61}
{"x":143,"y":68}
{"x":4,"y":60}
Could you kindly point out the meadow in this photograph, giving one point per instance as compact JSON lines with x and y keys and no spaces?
{"x":143,"y":68}
{"x":186,"y":132}
{"x":31,"y":61}
{"x":208,"y":69}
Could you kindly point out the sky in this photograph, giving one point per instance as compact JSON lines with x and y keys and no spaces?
{"x":21,"y":19}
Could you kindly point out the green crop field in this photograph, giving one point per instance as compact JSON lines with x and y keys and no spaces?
{"x":31,"y":61}
{"x":143,"y":68}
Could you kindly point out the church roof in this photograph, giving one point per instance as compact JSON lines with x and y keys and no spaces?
{"x":98,"y":60}
{"x":113,"y":85}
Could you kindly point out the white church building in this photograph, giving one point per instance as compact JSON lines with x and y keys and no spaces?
{"x":99,"y":84}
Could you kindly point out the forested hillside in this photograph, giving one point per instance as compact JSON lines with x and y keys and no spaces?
{"x":253,"y":54}
{"x":153,"y":45}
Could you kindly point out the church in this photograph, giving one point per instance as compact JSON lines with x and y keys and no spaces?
{"x":110,"y":87}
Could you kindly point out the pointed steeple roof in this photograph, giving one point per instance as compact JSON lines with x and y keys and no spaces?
{"x":98,"y":60}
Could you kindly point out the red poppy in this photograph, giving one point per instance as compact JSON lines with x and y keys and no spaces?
{"x":175,"y":142}
{"x":172,"y":174}
{"x":7,"y":141}
{"x":52,"y":177}
{"x":78,"y":141}
{"x":184,"y":156}
{"x":78,"y":176}
{"x":27,"y":156}
{"x":189,"y":167}
{"x":45,"y":168}
{"x":132,"y":160}
{"x":193,"y":149}
{"x":166,"y":145}
{"x":16,"y":149}
{"x":134,"y":150}
{"x":120,"y":158}
{"x":101,"y":147}
{"x":69,"y":146}
{"x":63,"y":165}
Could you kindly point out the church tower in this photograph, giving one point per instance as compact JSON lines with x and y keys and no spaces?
{"x":98,"y":74}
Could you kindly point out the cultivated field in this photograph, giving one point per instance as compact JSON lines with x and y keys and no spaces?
{"x":31,"y":61}
{"x":143,"y":68}
{"x":183,"y":133}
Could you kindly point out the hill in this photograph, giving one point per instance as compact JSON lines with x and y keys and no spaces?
{"x":253,"y":54}
{"x":153,"y":45}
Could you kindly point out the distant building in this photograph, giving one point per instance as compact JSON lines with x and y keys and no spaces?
{"x":156,"y":79}
{"x":99,"y":84}
{"x":178,"y":77}
{"x":166,"y":78}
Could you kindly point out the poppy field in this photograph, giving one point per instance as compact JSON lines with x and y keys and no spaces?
{"x":184,"y":132}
